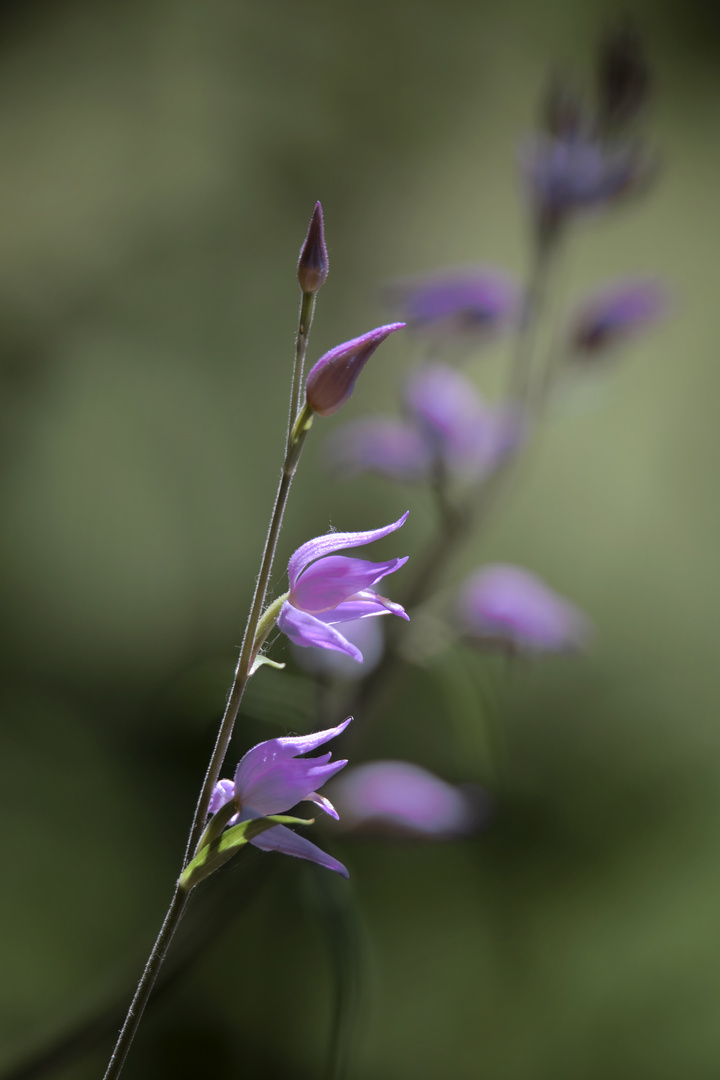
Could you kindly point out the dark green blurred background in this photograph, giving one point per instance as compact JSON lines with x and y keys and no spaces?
{"x":159,"y":163}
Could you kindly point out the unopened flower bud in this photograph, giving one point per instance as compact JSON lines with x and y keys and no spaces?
{"x":623,"y":77}
{"x":332,"y":380}
{"x":312,"y":270}
{"x":562,"y":114}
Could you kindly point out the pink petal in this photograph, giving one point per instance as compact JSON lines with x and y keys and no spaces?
{"x":283,"y":783}
{"x":282,"y":839}
{"x":267,"y":754}
{"x":322,"y":802}
{"x":306,"y":630}
{"x":223,"y":792}
{"x":362,"y":606}
{"x":329,"y":581}
{"x":326,"y":545}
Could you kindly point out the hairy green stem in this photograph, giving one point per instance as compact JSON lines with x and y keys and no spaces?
{"x":307,"y":308}
{"x":147,"y":981}
{"x":298,"y":427}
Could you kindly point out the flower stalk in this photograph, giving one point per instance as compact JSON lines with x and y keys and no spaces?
{"x":249,"y":649}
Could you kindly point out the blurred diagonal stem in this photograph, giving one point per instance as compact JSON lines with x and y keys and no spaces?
{"x":298,"y":427}
{"x":459,"y":521}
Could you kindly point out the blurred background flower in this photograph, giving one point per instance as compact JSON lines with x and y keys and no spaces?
{"x":512,"y":609}
{"x":397,"y":797}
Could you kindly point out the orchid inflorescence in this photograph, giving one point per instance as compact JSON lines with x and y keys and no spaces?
{"x":583,"y":161}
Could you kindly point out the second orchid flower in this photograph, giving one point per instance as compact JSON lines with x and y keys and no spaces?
{"x":328,"y":589}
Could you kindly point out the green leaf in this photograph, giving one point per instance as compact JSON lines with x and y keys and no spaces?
{"x":265,"y":661}
{"x":221,"y":848}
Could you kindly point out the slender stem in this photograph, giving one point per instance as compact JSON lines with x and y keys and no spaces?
{"x":298,"y":427}
{"x":144,"y":989}
{"x":249,"y":647}
{"x":520,"y":376}
{"x":103,"y":1021}
{"x":307,"y":308}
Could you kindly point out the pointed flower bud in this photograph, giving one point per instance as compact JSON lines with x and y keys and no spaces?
{"x":332,"y":380}
{"x":623,"y":76}
{"x":312,"y":270}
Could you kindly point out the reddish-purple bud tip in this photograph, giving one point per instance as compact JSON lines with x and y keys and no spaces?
{"x":312,"y":270}
{"x":332,"y":380}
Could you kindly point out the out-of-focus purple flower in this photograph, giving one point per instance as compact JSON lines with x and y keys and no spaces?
{"x":399,"y":797}
{"x":473,"y":301}
{"x":393,"y":448}
{"x":332,"y":379}
{"x":448,"y":425}
{"x":271,"y":779}
{"x":367,"y":635}
{"x":579,"y":174}
{"x":513,"y":609}
{"x":461,"y":431}
{"x":328,"y":589}
{"x":312,"y":269}
{"x":610,"y":317}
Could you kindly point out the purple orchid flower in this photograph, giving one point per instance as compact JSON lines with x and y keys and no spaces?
{"x":331,"y":380}
{"x":472,"y":301}
{"x":328,"y":589}
{"x":579,"y":173}
{"x":380,"y":444}
{"x":459,"y":428}
{"x":448,"y":424}
{"x":617,"y":313}
{"x":271,"y":779}
{"x":513,"y":609}
{"x":400,"y":797}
